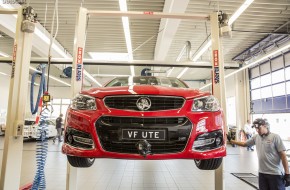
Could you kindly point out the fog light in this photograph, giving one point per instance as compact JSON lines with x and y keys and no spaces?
{"x":70,"y":139}
{"x":83,"y":140}
{"x":218,"y":141}
{"x":203,"y":142}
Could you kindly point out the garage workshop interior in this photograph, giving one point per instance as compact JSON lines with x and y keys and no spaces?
{"x":144,"y":94}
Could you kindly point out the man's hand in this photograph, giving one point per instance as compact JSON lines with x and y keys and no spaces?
{"x":287,"y":180}
{"x":229,"y":138}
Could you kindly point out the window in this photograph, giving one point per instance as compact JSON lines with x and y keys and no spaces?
{"x":255,"y":72}
{"x":56,"y":111}
{"x":256,"y":94}
{"x":288,"y":87}
{"x":279,"y":89}
{"x":287,"y":59}
{"x":277,"y":63}
{"x":265,"y":68}
{"x":272,"y":96}
{"x":255,"y":83}
{"x":278,"y":76}
{"x":266,"y":92}
{"x":65,"y":101}
{"x":266,"y":80}
{"x":56,"y":101}
{"x":287,"y":73}
{"x":59,"y":106}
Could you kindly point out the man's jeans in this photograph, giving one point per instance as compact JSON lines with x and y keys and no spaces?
{"x":59,"y":131}
{"x":271,"y":182}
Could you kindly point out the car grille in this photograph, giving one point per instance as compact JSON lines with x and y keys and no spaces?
{"x":177,"y":130}
{"x":157,"y":102}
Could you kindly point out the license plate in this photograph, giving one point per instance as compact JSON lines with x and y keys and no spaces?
{"x":143,"y":134}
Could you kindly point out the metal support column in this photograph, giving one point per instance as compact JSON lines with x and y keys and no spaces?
{"x":218,"y":84}
{"x":77,"y":79}
{"x":13,"y":144}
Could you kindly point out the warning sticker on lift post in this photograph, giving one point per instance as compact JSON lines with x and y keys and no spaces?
{"x":216,"y":72}
{"x":13,"y":60}
{"x":79,"y":66}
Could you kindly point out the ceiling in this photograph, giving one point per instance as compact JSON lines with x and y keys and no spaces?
{"x":154,"y":40}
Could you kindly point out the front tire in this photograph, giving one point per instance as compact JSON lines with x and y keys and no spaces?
{"x":80,"y":162}
{"x":208,"y":164}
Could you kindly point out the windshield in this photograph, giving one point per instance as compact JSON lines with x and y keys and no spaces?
{"x":145,"y":80}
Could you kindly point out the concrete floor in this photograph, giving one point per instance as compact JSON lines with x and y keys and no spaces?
{"x":113,"y":174}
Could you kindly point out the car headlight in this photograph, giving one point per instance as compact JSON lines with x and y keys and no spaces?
{"x":208,"y":103}
{"x":84,"y":102}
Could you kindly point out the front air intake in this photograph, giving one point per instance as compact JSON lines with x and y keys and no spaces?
{"x":116,"y":134}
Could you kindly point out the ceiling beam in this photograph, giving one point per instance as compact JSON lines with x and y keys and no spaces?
{"x":168,"y":28}
{"x":190,"y":64}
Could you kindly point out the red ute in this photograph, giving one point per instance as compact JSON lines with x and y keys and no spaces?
{"x":149,"y":118}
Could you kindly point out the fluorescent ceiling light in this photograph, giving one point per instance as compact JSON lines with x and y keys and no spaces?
{"x":199,"y":54}
{"x":181,"y":53}
{"x":6,"y":5}
{"x":109,"y":56}
{"x":58,"y":80}
{"x":4,"y":74}
{"x":88,"y":75}
{"x":182,"y":72}
{"x":132,"y":70}
{"x":4,"y":54}
{"x":35,"y":83}
{"x":270,"y":54}
{"x":170,"y":71}
{"x":125,"y":20}
{"x":178,"y":59}
{"x":1,"y":73}
{"x":242,"y":8}
{"x":44,"y":37}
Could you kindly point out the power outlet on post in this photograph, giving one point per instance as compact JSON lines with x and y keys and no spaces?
{"x":18,"y":128}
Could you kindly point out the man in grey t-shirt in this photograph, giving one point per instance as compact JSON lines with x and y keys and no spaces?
{"x":272,"y":157}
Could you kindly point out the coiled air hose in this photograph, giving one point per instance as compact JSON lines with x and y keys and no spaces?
{"x":39,"y":182}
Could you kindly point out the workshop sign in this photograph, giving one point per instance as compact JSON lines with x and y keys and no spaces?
{"x":216,"y":72}
{"x":79,"y":66}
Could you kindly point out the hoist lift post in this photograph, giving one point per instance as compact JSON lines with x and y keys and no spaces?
{"x":13,"y":143}
{"x":79,"y":45}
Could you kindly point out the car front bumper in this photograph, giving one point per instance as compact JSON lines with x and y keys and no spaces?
{"x":87,"y":121}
